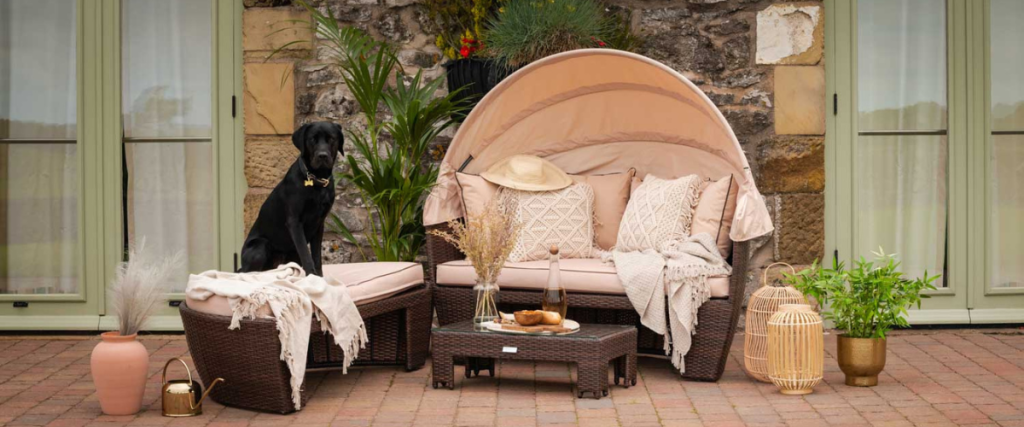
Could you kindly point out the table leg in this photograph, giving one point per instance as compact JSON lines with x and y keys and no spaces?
{"x":443,"y":370}
{"x":592,"y":377}
{"x":631,"y":368}
{"x":476,"y":364}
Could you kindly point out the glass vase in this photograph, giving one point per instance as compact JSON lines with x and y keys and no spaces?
{"x":486,"y":304}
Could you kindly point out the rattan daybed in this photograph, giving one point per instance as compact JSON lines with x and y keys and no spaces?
{"x":592,"y":112}
{"x":393,"y":300}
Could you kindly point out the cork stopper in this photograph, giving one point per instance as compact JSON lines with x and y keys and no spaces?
{"x":554,"y":250}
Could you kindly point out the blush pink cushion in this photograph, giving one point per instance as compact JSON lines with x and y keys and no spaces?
{"x":611,"y":195}
{"x":366,"y":282}
{"x":476,"y":192}
{"x":578,"y":275}
{"x":714,"y":212}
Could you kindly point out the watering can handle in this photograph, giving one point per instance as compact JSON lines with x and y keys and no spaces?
{"x":163,"y":378}
{"x":764,"y":275}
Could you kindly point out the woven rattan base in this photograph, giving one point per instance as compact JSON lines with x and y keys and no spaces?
{"x":592,"y":349}
{"x":249,"y":359}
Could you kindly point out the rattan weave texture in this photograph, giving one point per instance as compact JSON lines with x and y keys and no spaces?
{"x":716,"y":320}
{"x":249,"y":358}
{"x":592,"y":349}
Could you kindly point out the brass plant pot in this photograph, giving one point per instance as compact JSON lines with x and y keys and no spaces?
{"x":861,"y":359}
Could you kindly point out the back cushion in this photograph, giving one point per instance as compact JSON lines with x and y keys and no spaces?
{"x":659,"y":210}
{"x":611,"y":193}
{"x":476,"y":192}
{"x":714,"y":212}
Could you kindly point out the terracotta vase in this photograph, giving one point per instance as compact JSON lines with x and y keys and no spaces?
{"x":119,"y":368}
{"x":861,"y":359}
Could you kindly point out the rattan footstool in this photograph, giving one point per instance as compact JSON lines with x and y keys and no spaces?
{"x":592,"y":348}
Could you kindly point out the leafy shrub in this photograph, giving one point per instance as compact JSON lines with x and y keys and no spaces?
{"x":527,"y":30}
{"x":389,"y":173}
{"x":867,"y":301}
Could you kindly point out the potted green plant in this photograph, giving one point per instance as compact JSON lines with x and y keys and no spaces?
{"x":387,"y":168}
{"x":866,"y":302}
{"x":524,"y":31}
{"x":460,"y":25}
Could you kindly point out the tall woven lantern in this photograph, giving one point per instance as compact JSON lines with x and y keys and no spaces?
{"x":796,"y":349}
{"x":762,"y":305}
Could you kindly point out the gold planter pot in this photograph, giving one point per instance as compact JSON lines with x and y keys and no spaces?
{"x":861,"y":359}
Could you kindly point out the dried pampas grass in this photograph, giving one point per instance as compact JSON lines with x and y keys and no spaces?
{"x":140,"y":286}
{"x":487,"y":239}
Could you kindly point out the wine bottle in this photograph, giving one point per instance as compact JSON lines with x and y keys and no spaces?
{"x":554,"y":294}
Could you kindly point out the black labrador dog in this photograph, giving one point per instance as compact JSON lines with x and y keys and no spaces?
{"x":290,"y":225}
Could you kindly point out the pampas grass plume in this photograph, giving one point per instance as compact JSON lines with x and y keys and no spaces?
{"x":140,"y":286}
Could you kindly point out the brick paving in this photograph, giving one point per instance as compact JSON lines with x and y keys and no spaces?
{"x":965,"y":377}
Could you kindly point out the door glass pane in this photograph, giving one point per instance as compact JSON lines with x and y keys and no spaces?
{"x":169,"y":183}
{"x":901,"y":200}
{"x":38,"y":179}
{"x":901,"y":64}
{"x":1006,"y":228}
{"x":166,"y":68}
{"x":900,"y":164}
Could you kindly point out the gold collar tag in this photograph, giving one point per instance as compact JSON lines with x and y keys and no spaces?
{"x":308,"y":182}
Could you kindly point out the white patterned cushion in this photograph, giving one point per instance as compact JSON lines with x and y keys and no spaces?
{"x":563,"y":217}
{"x":658,"y":211}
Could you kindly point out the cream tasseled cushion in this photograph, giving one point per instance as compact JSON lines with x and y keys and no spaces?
{"x":562,"y":217}
{"x":658,"y":211}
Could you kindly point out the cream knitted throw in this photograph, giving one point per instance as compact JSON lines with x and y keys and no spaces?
{"x":294,"y":298}
{"x":656,"y":259}
{"x":678,"y":272}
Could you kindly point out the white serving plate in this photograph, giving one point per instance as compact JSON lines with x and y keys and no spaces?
{"x":496,"y":327}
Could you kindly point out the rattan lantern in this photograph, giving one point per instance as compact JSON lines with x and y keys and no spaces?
{"x":762,"y":305}
{"x":796,"y":349}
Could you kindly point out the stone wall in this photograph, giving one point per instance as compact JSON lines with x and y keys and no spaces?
{"x":761,"y":62}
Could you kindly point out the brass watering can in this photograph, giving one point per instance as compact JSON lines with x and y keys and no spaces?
{"x":183,"y":398}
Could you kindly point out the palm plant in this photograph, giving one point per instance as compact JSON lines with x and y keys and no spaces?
{"x":389,"y":174}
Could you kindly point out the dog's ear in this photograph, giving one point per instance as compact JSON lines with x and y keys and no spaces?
{"x":299,"y":138}
{"x":341,"y":139}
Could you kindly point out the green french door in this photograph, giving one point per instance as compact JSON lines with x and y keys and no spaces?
{"x":924,"y":152}
{"x":117,"y":126}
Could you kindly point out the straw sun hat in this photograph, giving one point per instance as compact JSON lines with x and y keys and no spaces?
{"x":527,"y":173}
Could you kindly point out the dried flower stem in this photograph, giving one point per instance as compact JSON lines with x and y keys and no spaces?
{"x":487,"y":239}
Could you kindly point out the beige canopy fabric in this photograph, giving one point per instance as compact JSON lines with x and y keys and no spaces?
{"x":596,"y":111}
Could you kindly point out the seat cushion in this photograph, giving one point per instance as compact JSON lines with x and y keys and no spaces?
{"x":366,"y":282}
{"x":578,"y":275}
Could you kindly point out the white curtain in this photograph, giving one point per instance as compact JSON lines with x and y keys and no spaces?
{"x":901,"y":180}
{"x":1006,"y":204}
{"x":166,"y":75}
{"x":38,"y":182}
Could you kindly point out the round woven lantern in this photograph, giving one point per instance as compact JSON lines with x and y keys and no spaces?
{"x":796,"y":349}
{"x":763,"y":303}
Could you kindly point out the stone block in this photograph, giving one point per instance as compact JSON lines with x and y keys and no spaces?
{"x":747,"y":122}
{"x":269,"y":104}
{"x":791,"y":165}
{"x":267,"y":160}
{"x":271,"y":28}
{"x":254,"y":199}
{"x":790,"y":33}
{"x":800,"y":227}
{"x":799,"y":100}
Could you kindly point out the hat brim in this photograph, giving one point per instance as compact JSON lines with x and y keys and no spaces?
{"x":555,"y":178}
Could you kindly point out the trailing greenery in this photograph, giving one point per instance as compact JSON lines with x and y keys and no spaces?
{"x":389,"y":171}
{"x":527,"y":30}
{"x":460,"y":25}
{"x":866,"y":301}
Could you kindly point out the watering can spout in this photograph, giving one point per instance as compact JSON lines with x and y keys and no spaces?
{"x":199,"y":404}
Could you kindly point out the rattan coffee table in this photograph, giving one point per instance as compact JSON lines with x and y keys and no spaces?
{"x":592,"y":348}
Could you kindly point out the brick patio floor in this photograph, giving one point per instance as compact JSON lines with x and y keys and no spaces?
{"x":966,"y":377}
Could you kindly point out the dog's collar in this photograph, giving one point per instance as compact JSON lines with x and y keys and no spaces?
{"x":310,"y":178}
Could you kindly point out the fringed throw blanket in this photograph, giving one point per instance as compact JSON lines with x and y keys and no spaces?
{"x":680,"y":268}
{"x":294,"y":298}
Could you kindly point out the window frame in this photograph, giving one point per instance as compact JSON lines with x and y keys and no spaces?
{"x":99,"y":142}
